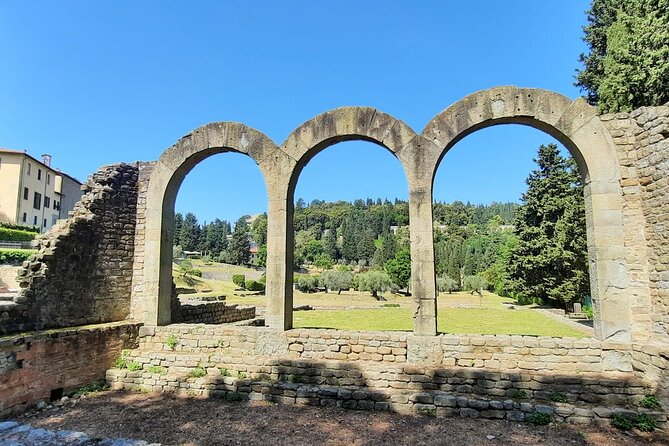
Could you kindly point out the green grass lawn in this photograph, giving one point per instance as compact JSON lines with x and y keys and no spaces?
{"x":458,"y":313}
{"x":450,"y":320}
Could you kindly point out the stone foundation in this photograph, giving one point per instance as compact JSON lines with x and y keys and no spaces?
{"x":42,"y":366}
{"x":315,"y":367}
{"x":214,"y":313}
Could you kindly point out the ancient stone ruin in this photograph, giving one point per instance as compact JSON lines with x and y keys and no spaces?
{"x":101,"y":281}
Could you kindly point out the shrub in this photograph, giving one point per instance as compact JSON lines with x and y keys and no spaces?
{"x":239,"y":280}
{"x":446,"y":284}
{"x":16,"y":235}
{"x":224,"y":371}
{"x":307,"y":284}
{"x":172,"y":342}
{"x":336,"y":280}
{"x":252,"y":285}
{"x":558,"y":397}
{"x":539,"y":418}
{"x":587,"y":310}
{"x":645,"y":423}
{"x":156,"y":369}
{"x":622,"y":421}
{"x":133,"y":366}
{"x":94,"y":387}
{"x":121,"y":363}
{"x":518,"y":394}
{"x":197,"y":372}
{"x":15,"y":256}
{"x":196,"y":272}
{"x":390,"y":305}
{"x":649,"y":402}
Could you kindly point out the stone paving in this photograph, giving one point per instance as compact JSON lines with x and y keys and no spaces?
{"x":15,"y":434}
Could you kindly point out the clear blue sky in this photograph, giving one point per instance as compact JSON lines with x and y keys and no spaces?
{"x":96,"y":82}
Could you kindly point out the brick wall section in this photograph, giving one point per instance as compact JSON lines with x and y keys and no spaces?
{"x":82,"y":272}
{"x":215,"y":313}
{"x":258,"y":364}
{"x":144,"y":174}
{"x":33,"y":365}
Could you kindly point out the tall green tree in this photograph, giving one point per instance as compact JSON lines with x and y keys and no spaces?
{"x":549,"y":260}
{"x":189,"y":234}
{"x":628,"y":63}
{"x":239,"y":247}
{"x":399,"y":268}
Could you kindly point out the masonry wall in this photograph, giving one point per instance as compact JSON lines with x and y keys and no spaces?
{"x":82,"y":273}
{"x":214,"y":313}
{"x":446,"y":375}
{"x":45,"y":365}
{"x":144,"y":174}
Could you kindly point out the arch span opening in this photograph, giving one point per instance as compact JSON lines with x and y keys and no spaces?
{"x":510,"y":236}
{"x":352,"y":250}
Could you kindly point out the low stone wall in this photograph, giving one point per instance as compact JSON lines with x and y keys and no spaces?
{"x":40,"y":366}
{"x":214,"y":313}
{"x":82,"y":272}
{"x":314,"y":367}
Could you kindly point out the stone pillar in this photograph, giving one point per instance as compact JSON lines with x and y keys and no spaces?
{"x":279,"y":290}
{"x":423,"y":281}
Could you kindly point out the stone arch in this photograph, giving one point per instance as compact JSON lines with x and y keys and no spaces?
{"x":576,"y":125}
{"x":166,"y":178}
{"x":367,"y":124}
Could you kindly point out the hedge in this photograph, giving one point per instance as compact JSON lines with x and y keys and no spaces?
{"x":16,"y":235}
{"x":239,"y":280}
{"x":252,"y":285}
{"x":34,"y":229}
{"x":14,"y":256}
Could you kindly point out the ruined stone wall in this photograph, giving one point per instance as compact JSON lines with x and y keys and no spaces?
{"x":214,"y":313}
{"x":652,"y":152}
{"x":44,"y":365}
{"x":83,"y":270}
{"x":144,"y":174}
{"x":303,"y":367}
{"x":642,"y":140}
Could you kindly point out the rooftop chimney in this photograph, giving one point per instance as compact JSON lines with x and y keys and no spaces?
{"x":46,"y":159}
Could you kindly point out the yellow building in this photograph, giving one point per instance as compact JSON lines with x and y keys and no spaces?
{"x":32,"y":193}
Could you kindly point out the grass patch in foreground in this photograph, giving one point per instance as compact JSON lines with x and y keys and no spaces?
{"x":452,"y":320}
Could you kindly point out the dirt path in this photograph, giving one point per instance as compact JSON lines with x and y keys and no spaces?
{"x":173,"y":420}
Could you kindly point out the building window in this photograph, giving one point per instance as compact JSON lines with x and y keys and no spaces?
{"x":48,"y":178}
{"x":55,"y":205}
{"x":30,"y":168}
{"x":45,"y":222}
{"x":37,"y":200}
{"x":47,"y":202}
{"x":39,"y":174}
{"x":25,"y":217}
{"x":25,"y":193}
{"x":35,"y":220}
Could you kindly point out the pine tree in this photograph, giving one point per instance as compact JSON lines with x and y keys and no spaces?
{"x":628,"y":63}
{"x":550,"y":260}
